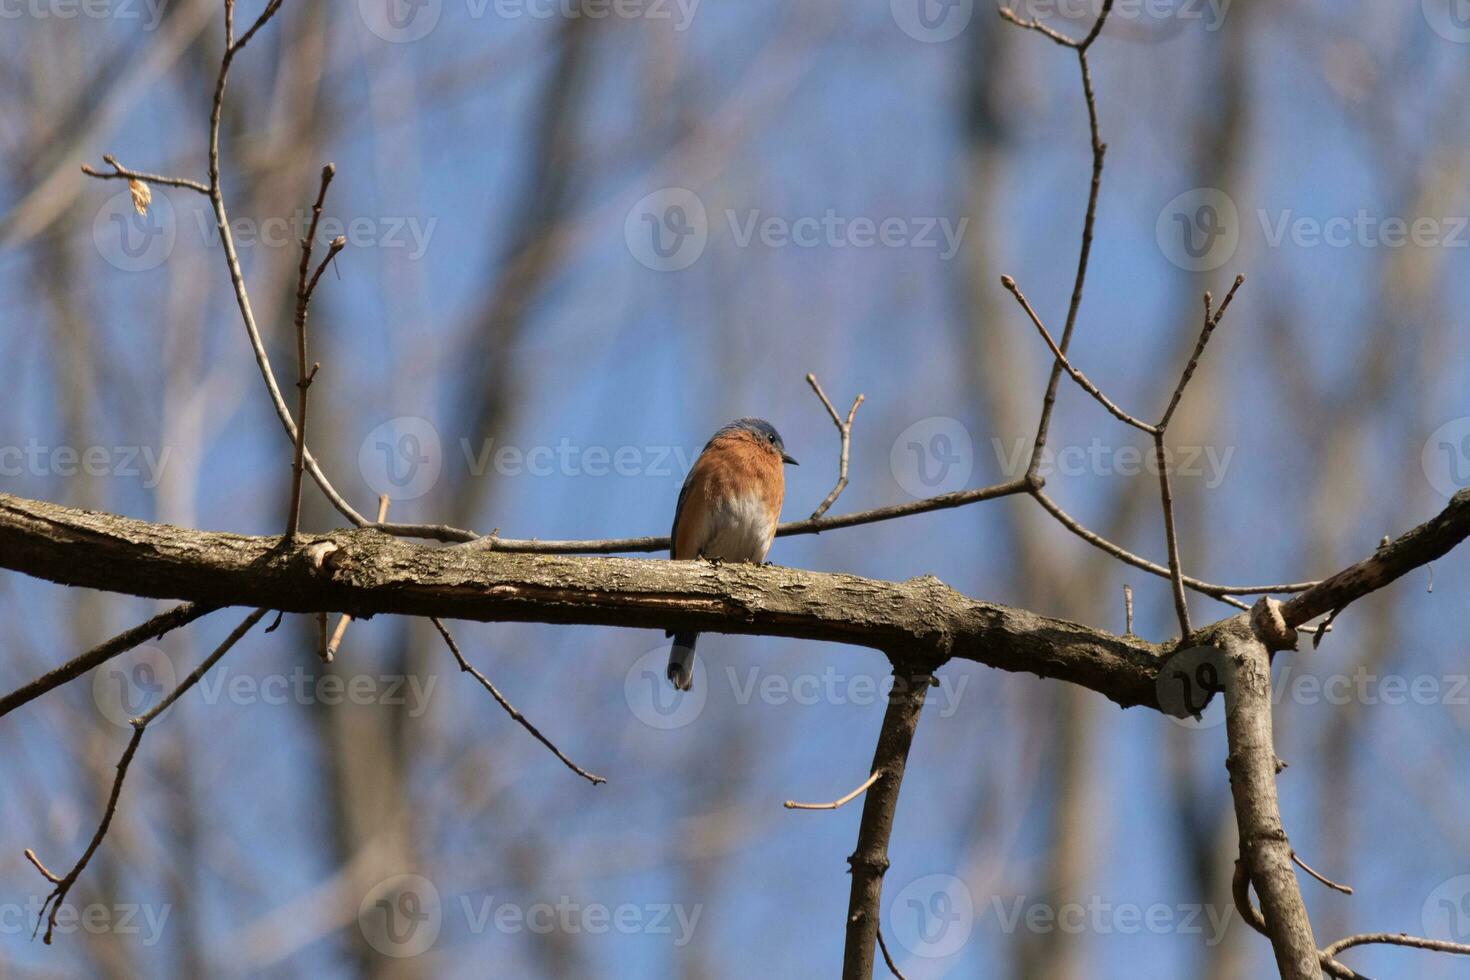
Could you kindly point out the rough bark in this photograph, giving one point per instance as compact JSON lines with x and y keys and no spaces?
{"x":869,"y":862}
{"x":1430,"y":540}
{"x":365,"y":572}
{"x":1252,"y":764}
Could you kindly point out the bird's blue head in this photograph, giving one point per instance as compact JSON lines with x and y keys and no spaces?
{"x":763,"y":432}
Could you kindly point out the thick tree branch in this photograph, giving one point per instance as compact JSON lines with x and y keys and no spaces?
{"x":869,"y":861}
{"x":364,"y":572}
{"x":1264,"y":847}
{"x":1430,"y":540}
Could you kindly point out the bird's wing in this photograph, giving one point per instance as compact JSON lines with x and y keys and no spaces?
{"x":679,"y":509}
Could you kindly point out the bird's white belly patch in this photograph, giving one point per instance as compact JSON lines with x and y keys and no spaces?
{"x":737,"y":529}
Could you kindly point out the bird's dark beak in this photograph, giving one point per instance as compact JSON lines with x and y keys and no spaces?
{"x":786,"y":458}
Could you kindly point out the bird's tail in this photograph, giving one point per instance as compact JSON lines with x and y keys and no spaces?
{"x":681,"y":661}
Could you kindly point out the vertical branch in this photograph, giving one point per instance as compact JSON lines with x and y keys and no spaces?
{"x":1176,"y":572}
{"x":844,"y":431}
{"x":303,"y":377}
{"x":1252,"y":764}
{"x":870,"y":860}
{"x":1089,"y":221}
{"x":232,"y":257}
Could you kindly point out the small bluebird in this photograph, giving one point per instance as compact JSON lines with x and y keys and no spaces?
{"x":728,"y":511}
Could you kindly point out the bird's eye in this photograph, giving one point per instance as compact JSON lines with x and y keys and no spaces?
{"x":771,"y":439}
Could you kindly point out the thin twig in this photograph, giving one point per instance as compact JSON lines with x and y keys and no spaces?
{"x":232,"y":258}
{"x":1224,"y":593}
{"x":793,"y":805}
{"x":1176,"y":573}
{"x":303,"y":378}
{"x":1061,"y":358}
{"x":1324,"y":628}
{"x":1397,"y":939}
{"x":265,"y":15}
{"x":1346,"y":890}
{"x":844,"y":430}
{"x":1212,"y":320}
{"x":46,"y":872}
{"x":105,"y":651}
{"x":1128,"y":608}
{"x":888,"y":957}
{"x":51,"y":907}
{"x":120,"y":172}
{"x":510,"y":709}
{"x":1089,"y":222}
{"x":333,"y":247}
{"x":322,"y":640}
{"x":945,"y":501}
{"x":1033,"y":24}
